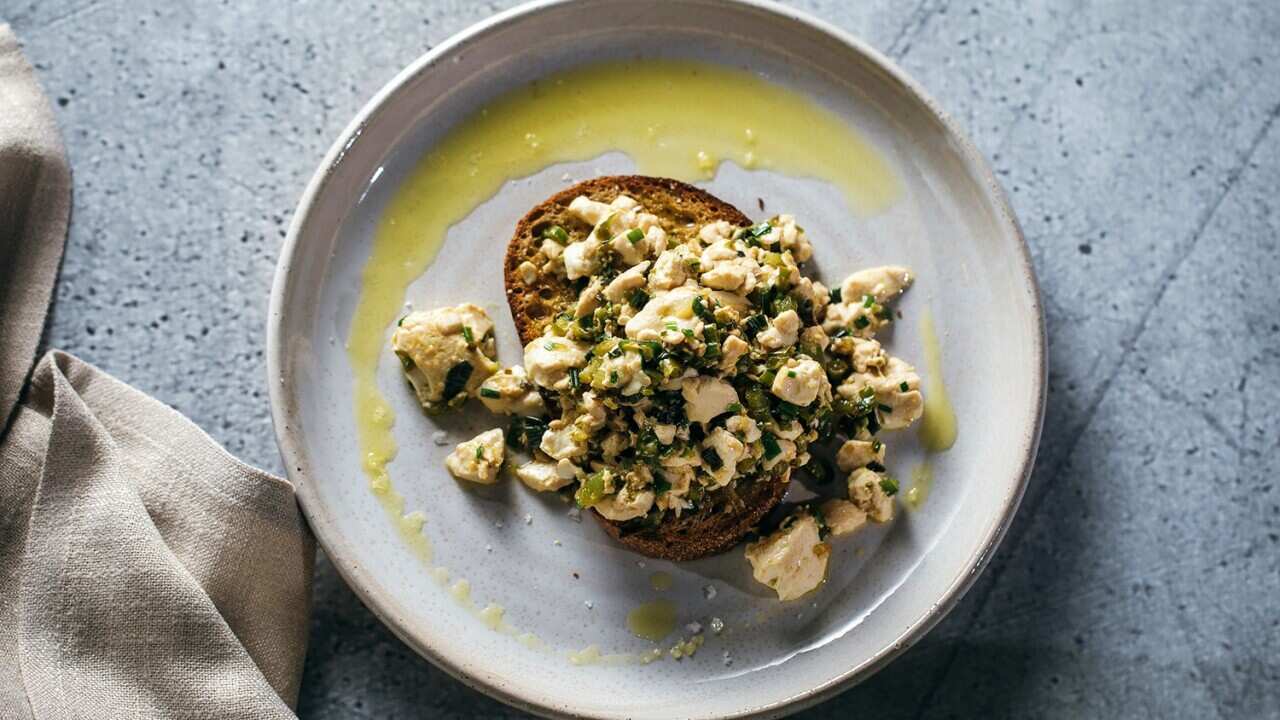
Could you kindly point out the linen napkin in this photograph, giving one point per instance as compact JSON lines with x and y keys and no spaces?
{"x":144,"y":572}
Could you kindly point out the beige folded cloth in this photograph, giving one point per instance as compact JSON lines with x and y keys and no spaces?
{"x":144,"y":572}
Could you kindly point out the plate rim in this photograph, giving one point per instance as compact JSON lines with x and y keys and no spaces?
{"x":390,"y":612}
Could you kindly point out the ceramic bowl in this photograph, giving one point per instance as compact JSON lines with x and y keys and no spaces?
{"x":563,"y":580}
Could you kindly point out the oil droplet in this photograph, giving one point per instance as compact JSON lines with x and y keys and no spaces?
{"x":652,"y":620}
{"x":661,"y":581}
{"x":461,"y":591}
{"x":938,"y":428}
{"x":589,"y":655}
{"x":921,"y":483}
{"x":491,"y":616}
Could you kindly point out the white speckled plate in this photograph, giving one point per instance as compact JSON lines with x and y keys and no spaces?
{"x":887,"y":586}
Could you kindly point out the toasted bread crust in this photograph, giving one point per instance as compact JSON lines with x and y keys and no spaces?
{"x":723,"y":523}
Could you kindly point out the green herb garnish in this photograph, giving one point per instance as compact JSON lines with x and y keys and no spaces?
{"x":771,"y":447}
{"x":903,"y":386}
{"x":489,"y":393}
{"x":467,"y":335}
{"x":557,"y":233}
{"x":455,"y":381}
{"x":635,"y":235}
{"x":889,"y":485}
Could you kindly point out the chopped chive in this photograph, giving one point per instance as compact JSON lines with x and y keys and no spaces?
{"x":835,"y":294}
{"x":868,"y":301}
{"x":712,"y":459}
{"x":479,"y":452}
{"x":861,"y":322}
{"x":672,"y":326}
{"x":401,"y":321}
{"x":635,"y":235}
{"x":466,"y":333}
{"x":602,"y":230}
{"x":733,"y":407}
{"x":557,"y":233}
{"x":791,"y":373}
{"x":889,"y":485}
{"x":903,"y":386}
{"x":867,"y":392}
{"x":551,"y":346}
{"x":489,"y":393}
{"x":613,"y":377}
{"x":687,"y":333}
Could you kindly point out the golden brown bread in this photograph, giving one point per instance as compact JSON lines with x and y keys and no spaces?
{"x":733,"y":512}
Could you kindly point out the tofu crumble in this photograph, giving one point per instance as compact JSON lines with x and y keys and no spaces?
{"x":696,"y":361}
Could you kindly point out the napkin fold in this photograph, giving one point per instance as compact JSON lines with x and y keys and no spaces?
{"x":144,"y":572}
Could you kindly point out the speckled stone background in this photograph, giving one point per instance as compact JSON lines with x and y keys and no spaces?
{"x":1142,"y":574}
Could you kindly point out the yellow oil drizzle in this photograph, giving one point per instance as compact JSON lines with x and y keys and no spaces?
{"x":679,"y":119}
{"x":938,"y":427}
{"x":661,"y":581}
{"x":921,"y":483}
{"x":652,"y":620}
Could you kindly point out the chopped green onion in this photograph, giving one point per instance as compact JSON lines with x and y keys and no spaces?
{"x":754,"y":324}
{"x":903,"y":386}
{"x":613,"y":377}
{"x":701,"y":310}
{"x":688,"y":333}
{"x":479,"y":452}
{"x":868,"y":300}
{"x":819,"y":470}
{"x":791,"y":373}
{"x":557,"y":233}
{"x":835,"y":294}
{"x":861,"y":322}
{"x":401,"y":321}
{"x":733,"y":407}
{"x":489,"y":393}
{"x":885,"y":409}
{"x":672,"y":326}
{"x":591,"y":491}
{"x":635,"y":235}
{"x":637,"y":298}
{"x":466,"y":333}
{"x":712,"y":459}
{"x":574,"y":380}
{"x":771,"y":447}
{"x":602,"y":230}
{"x":551,"y":345}
{"x":876,"y":445}
{"x":405,"y":361}
{"x":889,"y":485}
{"x":455,"y":381}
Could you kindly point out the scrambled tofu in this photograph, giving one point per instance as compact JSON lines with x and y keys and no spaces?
{"x":695,"y":360}
{"x":792,"y":560}
{"x":478,"y":459}
{"x":446,"y":353}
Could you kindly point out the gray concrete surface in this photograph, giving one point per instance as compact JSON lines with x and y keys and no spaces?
{"x":1142,"y":575}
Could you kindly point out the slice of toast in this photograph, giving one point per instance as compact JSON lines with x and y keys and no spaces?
{"x":729,"y":514}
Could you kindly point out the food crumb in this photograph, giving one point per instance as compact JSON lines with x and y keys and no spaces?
{"x":575,"y":514}
{"x":440,"y":437}
{"x":709,"y":592}
{"x":498,"y":524}
{"x":575,"y":576}
{"x":640,"y":563}
{"x":589,"y":604}
{"x":760,"y":202}
{"x":556,"y":543}
{"x":728,"y":659}
{"x":488,"y":548}
{"x":694,"y":627}
{"x":528,"y":519}
{"x":717,"y":625}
